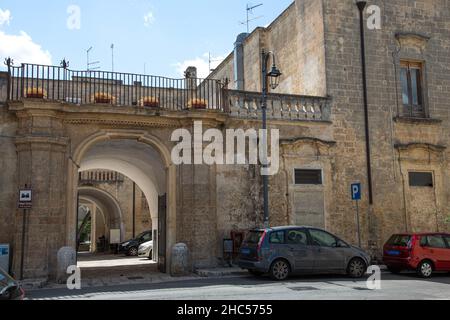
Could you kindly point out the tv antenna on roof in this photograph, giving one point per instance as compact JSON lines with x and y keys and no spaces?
{"x":89,"y":64}
{"x":249,"y":10}
{"x":112,"y":57}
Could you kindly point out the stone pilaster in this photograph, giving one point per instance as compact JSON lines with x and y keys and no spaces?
{"x":42,"y":154}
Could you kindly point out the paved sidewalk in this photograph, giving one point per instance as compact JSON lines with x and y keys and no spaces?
{"x":111,"y":270}
{"x":221,"y":272}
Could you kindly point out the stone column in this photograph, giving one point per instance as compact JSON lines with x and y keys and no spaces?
{"x":42,"y":165}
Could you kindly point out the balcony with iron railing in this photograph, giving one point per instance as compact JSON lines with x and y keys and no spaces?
{"x":59,"y":83}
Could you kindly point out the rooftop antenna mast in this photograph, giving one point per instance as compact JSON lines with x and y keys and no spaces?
{"x":112,"y":56}
{"x":89,"y":64}
{"x":249,"y":10}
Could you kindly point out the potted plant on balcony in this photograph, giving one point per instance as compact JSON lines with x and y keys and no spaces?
{"x":37,"y":93}
{"x":101,"y":97}
{"x":197,"y":103}
{"x":152,"y":102}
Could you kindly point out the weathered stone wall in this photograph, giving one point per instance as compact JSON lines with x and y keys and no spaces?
{"x":8,"y":175}
{"x":318,"y":49}
{"x":310,"y":45}
{"x":252,"y":59}
{"x":390,"y":176}
{"x":297,"y":39}
{"x":41,"y":158}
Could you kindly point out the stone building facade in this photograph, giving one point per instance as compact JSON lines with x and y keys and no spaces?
{"x":317,"y":48}
{"x":318,"y":108}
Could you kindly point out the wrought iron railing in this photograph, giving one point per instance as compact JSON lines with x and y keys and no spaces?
{"x":114,"y":88}
{"x":59,"y":83}
{"x":279,"y":106}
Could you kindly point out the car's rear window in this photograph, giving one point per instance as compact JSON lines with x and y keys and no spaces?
{"x":399,"y":240}
{"x":253,"y":237}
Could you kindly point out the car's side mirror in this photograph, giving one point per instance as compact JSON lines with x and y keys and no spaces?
{"x":340,"y":244}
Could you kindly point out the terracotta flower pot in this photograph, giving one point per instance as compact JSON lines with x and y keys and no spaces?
{"x":151,"y":102}
{"x":35,"y":93}
{"x":197,"y":104}
{"x":103,"y":98}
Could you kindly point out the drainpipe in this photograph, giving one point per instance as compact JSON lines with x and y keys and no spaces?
{"x":361,"y":6}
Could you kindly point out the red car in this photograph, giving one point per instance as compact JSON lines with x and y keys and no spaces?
{"x":423,"y":252}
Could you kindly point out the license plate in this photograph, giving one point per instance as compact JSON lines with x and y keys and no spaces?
{"x":245,"y":251}
{"x":393,"y":252}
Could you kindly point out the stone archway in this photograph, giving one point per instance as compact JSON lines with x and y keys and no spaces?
{"x":127,"y":138}
{"x":107,"y":205}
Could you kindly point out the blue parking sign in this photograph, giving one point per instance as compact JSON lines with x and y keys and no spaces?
{"x":356,"y":191}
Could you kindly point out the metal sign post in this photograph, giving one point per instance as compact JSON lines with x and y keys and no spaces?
{"x":25,"y":202}
{"x":356,"y":196}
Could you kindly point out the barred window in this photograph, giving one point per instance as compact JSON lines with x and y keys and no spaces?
{"x":307,"y":176}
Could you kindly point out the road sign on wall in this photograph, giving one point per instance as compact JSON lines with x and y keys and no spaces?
{"x":25,"y":199}
{"x":356,"y":191}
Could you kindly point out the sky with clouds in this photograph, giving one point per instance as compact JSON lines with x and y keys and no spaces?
{"x":162,"y":37}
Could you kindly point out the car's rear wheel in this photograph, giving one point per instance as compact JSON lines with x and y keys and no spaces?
{"x":356,"y":268}
{"x":280,"y":270}
{"x":425,"y":269}
{"x":133,"y":251}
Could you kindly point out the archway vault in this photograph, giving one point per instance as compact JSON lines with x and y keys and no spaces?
{"x":107,"y":204}
{"x":152,"y":187}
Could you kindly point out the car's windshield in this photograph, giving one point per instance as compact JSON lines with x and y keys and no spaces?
{"x":140,"y":235}
{"x":144,"y":236}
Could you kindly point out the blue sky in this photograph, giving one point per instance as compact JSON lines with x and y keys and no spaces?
{"x":175,"y":34}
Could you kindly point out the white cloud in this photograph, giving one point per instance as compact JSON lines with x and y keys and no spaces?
{"x":22,"y":49}
{"x":5,"y":17}
{"x":149,"y":19}
{"x":201,"y":63}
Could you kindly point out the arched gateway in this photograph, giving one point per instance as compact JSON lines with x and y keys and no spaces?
{"x":145,"y":160}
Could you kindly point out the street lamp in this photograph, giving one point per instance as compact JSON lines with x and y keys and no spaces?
{"x":272,"y":77}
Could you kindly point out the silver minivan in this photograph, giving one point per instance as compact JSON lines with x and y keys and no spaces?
{"x":282,"y":251}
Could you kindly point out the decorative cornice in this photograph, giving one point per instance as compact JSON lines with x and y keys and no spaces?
{"x":308,"y":140}
{"x":411,"y":35}
{"x":123,"y":122}
{"x":411,"y":39}
{"x":420,"y":145}
{"x":417,"y":120}
{"x":45,"y":143}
